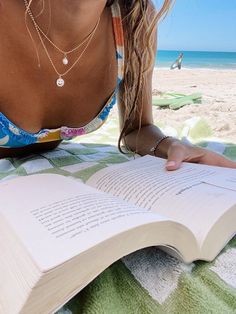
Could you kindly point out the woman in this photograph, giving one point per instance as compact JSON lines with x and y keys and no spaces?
{"x":64,"y":63}
{"x":178,"y":62}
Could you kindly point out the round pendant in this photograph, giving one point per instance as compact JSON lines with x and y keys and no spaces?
{"x":60,"y":82}
{"x":65,"y":61}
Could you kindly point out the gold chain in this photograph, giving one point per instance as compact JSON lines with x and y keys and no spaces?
{"x":60,"y":81}
{"x":49,"y":40}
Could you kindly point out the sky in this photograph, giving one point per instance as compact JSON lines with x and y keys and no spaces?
{"x":199,"y":25}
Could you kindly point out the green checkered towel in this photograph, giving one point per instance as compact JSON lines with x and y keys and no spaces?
{"x":149,"y":280}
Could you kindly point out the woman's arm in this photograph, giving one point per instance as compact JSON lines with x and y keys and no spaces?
{"x":142,"y":139}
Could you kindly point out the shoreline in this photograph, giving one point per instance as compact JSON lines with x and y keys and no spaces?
{"x":157,"y":68}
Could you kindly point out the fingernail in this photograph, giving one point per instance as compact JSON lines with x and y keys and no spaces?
{"x":170,"y":164}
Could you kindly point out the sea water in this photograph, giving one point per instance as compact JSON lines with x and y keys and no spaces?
{"x":197,"y":59}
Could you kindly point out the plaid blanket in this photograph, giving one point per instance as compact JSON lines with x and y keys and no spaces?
{"x":149,"y":280}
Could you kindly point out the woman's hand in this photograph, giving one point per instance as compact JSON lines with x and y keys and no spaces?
{"x":174,"y":150}
{"x":178,"y":152}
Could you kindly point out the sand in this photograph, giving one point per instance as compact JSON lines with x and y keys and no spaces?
{"x":217,"y":112}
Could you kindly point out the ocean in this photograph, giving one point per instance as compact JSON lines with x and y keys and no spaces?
{"x":197,"y":59}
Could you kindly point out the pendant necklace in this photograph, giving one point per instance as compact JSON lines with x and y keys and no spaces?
{"x":65,"y":54}
{"x":60,"y":82}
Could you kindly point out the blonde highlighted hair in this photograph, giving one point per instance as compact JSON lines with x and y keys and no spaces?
{"x":140,"y":20}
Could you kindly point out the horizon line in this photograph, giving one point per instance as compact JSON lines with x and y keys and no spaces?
{"x":195,"y":50}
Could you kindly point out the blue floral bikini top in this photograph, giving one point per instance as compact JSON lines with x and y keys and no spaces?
{"x":13,"y":136}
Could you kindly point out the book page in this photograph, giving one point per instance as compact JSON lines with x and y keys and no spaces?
{"x":180,"y":195}
{"x":57,"y":218}
{"x":221,"y":180}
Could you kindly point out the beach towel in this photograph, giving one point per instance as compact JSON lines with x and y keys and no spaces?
{"x":175,"y":101}
{"x":147,"y":281}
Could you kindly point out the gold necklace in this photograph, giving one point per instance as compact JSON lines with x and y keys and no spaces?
{"x":60,"y":82}
{"x":65,"y":60}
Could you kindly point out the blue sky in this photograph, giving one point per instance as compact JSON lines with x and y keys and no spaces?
{"x":205,"y":25}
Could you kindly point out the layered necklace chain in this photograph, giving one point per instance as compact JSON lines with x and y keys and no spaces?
{"x":60,"y":82}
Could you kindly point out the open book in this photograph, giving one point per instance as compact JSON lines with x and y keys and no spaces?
{"x":57,"y":234}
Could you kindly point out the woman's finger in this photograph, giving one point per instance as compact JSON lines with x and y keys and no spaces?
{"x":176,"y":155}
{"x":218,"y":160}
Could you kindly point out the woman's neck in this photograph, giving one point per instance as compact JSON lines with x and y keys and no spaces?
{"x":67,"y":21}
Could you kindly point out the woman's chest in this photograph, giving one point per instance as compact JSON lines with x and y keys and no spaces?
{"x":29,"y":95}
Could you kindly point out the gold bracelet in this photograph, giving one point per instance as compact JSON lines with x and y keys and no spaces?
{"x":154,"y":148}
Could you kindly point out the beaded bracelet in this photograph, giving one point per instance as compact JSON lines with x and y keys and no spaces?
{"x":154,"y":148}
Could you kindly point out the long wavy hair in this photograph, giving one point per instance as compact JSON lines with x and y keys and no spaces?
{"x":139,"y":24}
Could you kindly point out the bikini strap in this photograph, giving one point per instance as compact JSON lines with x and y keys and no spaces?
{"x":119,"y":38}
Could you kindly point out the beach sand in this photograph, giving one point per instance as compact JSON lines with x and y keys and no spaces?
{"x":217,"y":111}
{"x":213,"y":120}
